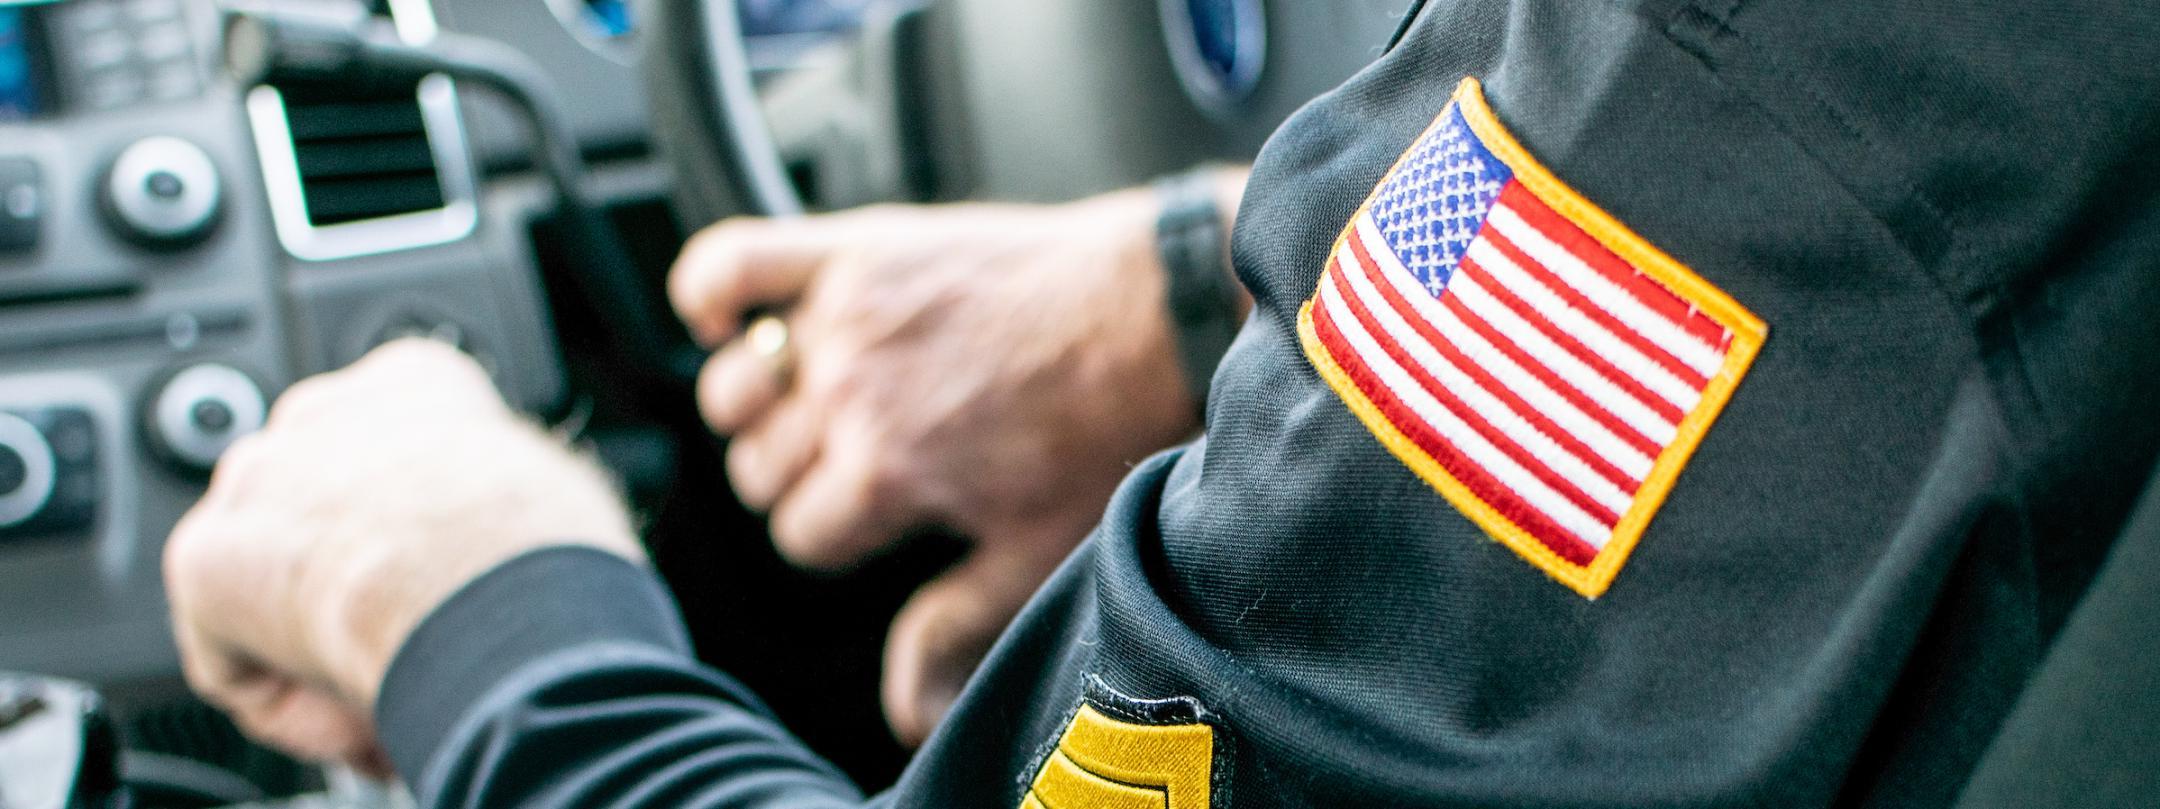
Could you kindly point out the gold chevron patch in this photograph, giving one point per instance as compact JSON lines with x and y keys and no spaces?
{"x":1106,"y":763}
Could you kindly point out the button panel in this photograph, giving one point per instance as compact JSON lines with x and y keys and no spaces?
{"x":22,"y":205}
{"x":49,"y":476}
{"x":125,"y":52}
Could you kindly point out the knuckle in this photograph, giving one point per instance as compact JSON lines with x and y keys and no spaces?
{"x":885,"y":483}
{"x":717,"y":392}
{"x":721,"y":233}
{"x":746,"y":474}
{"x":712,"y":251}
{"x":202,"y":679}
{"x":890,"y":213}
{"x":233,"y":470}
{"x":306,"y":395}
{"x":834,"y":376}
{"x":189,"y":557}
{"x":294,"y":410}
{"x":848,"y":274}
{"x":180,"y":553}
{"x":431,"y":368}
{"x":805,"y":543}
{"x":712,"y":275}
{"x":420,"y":355}
{"x":687,"y":275}
{"x":881,"y":479}
{"x":412,"y":350}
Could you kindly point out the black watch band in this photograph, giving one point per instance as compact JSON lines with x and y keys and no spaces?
{"x":1192,"y":240}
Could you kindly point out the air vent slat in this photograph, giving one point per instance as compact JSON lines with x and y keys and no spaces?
{"x":361,"y":155}
{"x":387,"y":156}
{"x":318,"y":121}
{"x":333,"y":202}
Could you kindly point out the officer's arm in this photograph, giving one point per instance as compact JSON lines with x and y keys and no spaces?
{"x":397,"y":542}
{"x":563,"y":678}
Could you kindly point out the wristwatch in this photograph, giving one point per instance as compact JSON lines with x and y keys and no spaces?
{"x":1193,"y":242}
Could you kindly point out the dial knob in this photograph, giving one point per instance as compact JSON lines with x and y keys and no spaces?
{"x":162,"y":190}
{"x":201,"y":410}
{"x":26,"y":471}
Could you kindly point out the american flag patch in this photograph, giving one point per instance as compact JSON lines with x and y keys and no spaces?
{"x":1543,"y":367}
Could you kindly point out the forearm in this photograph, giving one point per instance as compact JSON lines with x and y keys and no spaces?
{"x":562,"y":678}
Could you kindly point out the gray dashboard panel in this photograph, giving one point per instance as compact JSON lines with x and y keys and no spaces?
{"x":603,"y":95}
{"x":92,"y":606}
{"x":1071,"y":97}
{"x":88,"y":603}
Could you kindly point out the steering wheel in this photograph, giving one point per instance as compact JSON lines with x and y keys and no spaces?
{"x":706,"y":117}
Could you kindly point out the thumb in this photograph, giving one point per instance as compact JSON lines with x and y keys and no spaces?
{"x":945,"y":629}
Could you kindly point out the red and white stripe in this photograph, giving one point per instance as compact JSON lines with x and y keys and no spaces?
{"x":1547,"y":377}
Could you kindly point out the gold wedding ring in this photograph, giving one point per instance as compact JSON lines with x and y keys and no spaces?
{"x":768,"y":338}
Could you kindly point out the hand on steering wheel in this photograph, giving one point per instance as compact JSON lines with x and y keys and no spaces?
{"x":994,"y":369}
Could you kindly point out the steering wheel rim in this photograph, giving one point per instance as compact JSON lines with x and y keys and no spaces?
{"x":705,"y":114}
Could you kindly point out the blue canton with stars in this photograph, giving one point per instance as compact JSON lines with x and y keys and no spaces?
{"x":1431,"y":207}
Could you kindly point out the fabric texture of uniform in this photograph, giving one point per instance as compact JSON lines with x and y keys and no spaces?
{"x":2080,"y":733}
{"x":1535,"y":361}
{"x":1946,"y":210}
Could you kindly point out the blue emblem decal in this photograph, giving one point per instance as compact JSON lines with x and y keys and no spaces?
{"x":1218,"y":48}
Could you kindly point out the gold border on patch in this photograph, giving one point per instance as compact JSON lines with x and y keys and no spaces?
{"x":1747,"y":333}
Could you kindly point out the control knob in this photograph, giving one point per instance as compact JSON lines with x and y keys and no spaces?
{"x":201,"y":410}
{"x":162,"y":190}
{"x":26,"y":471}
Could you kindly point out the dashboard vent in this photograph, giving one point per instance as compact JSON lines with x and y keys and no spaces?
{"x":360,"y":158}
{"x":355,"y":170}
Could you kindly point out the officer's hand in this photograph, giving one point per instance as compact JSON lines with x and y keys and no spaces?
{"x":373,"y":494}
{"x":991,"y":369}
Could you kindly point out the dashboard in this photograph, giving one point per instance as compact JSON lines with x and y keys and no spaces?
{"x":174,"y":250}
{"x":22,"y":70}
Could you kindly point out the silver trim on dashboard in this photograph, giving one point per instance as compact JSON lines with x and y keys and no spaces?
{"x":415,"y":20}
{"x":439,"y":115}
{"x":455,"y":220}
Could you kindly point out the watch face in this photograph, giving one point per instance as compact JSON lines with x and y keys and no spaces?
{"x":1218,"y":47}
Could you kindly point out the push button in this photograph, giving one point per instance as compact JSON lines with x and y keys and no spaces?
{"x":164,"y":185}
{"x":72,"y":438}
{"x":22,"y":205}
{"x":212,"y":416}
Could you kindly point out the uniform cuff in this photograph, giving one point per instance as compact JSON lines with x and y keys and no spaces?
{"x":542,"y":602}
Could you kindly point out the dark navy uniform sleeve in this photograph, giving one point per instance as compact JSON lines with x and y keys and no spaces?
{"x":1946,"y":213}
{"x":564,"y":678}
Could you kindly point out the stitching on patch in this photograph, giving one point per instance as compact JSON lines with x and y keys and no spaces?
{"x":1097,"y":693}
{"x":1747,"y":334}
